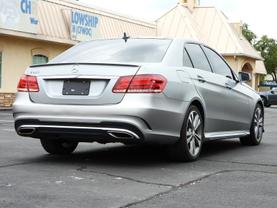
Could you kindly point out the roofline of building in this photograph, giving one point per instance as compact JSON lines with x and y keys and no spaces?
{"x":211,"y":7}
{"x":242,"y":55}
{"x":36,"y":37}
{"x":199,"y":7}
{"x":237,"y":44}
{"x":167,"y":12}
{"x":112,"y":14}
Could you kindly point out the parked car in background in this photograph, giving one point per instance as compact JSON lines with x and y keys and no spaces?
{"x":172,"y":92}
{"x":269,"y":97}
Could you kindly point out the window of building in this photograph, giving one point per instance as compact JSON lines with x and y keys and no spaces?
{"x":0,"y":69}
{"x":198,"y":57}
{"x":187,"y":61}
{"x":40,"y":59}
{"x":218,"y":64}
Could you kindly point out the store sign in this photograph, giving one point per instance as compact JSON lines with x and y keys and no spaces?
{"x":84,"y":26}
{"x":19,"y":15}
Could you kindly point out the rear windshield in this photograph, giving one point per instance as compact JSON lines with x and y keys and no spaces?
{"x":114,"y":51}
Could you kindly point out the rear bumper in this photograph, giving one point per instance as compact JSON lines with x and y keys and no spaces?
{"x":103,"y":132}
{"x":139,"y":118}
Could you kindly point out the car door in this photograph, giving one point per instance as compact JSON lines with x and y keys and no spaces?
{"x":210,"y":87}
{"x":236,"y":106}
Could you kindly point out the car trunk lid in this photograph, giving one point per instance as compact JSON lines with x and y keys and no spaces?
{"x":79,"y":84}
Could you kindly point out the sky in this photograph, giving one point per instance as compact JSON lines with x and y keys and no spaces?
{"x":260,"y":15}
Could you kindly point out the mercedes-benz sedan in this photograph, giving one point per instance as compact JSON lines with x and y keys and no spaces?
{"x":170,"y":92}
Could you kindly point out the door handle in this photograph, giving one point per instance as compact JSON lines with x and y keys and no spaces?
{"x":201,"y":79}
{"x":228,"y":86}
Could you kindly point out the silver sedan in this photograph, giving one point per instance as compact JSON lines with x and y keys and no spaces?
{"x":170,"y":92}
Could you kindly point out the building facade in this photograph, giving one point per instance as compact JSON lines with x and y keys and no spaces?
{"x":212,"y":27}
{"x":35,"y":31}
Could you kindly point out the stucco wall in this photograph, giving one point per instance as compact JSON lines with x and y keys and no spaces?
{"x":17,"y":56}
{"x":233,"y":62}
{"x":237,"y":64}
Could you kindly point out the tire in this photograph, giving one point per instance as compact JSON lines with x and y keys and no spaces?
{"x":189,"y":146}
{"x":55,"y":147}
{"x":266,"y":104}
{"x":256,"y":130}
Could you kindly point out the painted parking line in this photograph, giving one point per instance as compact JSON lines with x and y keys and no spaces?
{"x":9,"y":130}
{"x":6,"y":121}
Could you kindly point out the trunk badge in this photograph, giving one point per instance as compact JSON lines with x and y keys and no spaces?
{"x":75,"y":71}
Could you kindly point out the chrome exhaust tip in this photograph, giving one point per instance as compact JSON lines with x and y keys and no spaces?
{"x":121,"y":135}
{"x":26,"y":131}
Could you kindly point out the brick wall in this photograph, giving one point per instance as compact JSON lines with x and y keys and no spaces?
{"x":7,"y":99}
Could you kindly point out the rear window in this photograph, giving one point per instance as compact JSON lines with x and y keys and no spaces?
{"x":114,"y":51}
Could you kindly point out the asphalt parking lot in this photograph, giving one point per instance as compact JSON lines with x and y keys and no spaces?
{"x":114,"y":175}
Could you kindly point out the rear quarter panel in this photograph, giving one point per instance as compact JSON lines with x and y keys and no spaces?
{"x":179,"y":84}
{"x":254,"y":97}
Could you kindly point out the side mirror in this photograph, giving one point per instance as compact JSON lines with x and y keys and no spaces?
{"x":244,"y":76}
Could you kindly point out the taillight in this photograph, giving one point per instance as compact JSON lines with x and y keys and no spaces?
{"x":28,"y":84}
{"x":22,"y":84}
{"x":144,"y":83}
{"x":122,"y":84}
{"x":32,"y":84}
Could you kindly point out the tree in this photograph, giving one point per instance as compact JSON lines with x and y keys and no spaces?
{"x":248,"y":34}
{"x":268,"y":48}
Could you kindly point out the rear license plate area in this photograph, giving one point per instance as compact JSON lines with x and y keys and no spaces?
{"x":79,"y":87}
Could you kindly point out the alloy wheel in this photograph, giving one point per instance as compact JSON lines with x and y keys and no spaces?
{"x":194,"y":133}
{"x":258,"y":124}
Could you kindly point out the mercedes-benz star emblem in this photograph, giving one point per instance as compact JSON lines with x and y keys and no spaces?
{"x":75,"y":71}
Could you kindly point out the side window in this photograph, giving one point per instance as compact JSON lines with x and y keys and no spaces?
{"x":218,"y":64}
{"x":0,"y":69}
{"x":187,"y":61}
{"x":40,"y":59}
{"x":198,"y":57}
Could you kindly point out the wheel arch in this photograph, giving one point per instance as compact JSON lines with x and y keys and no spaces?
{"x":267,"y":102}
{"x":260,"y":102}
{"x":201,"y":108}
{"x":264,"y":97}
